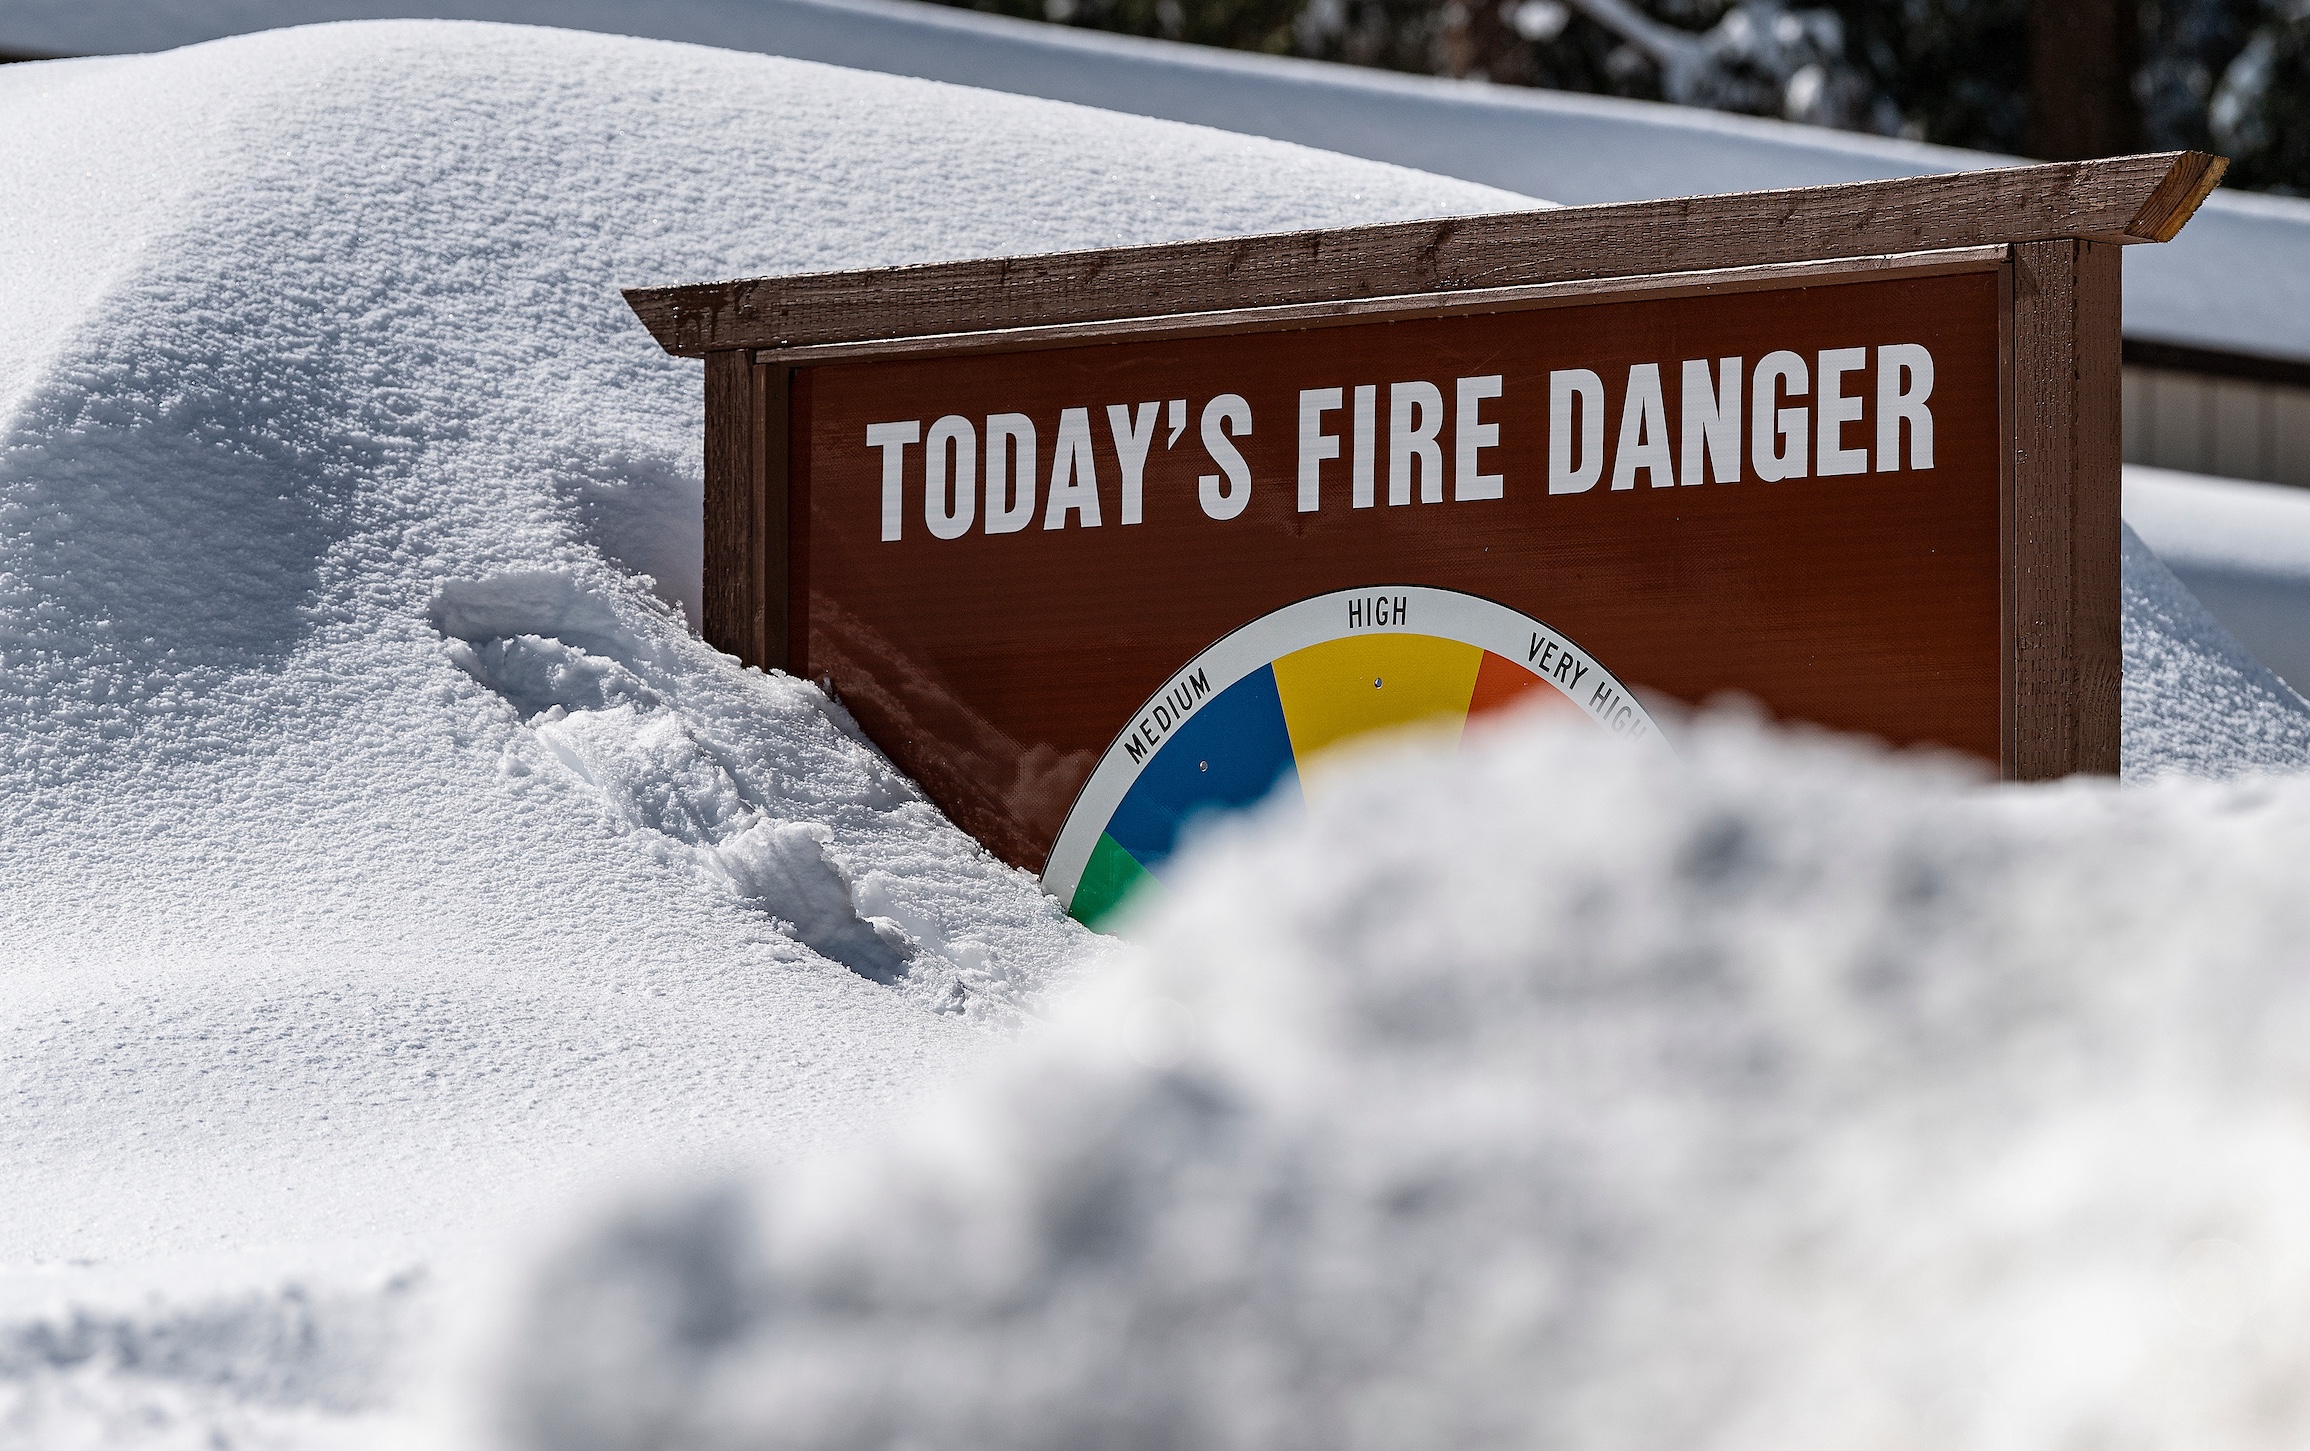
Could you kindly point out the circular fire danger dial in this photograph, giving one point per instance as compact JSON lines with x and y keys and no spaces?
{"x":1265,"y":711}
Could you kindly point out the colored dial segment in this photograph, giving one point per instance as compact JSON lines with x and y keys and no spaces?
{"x":1271,"y":712}
{"x":1269,"y":734}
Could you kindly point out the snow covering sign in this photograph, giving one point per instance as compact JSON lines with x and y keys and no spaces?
{"x":1087,"y":577}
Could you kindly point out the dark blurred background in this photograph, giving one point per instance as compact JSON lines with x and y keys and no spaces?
{"x":2053,"y":79}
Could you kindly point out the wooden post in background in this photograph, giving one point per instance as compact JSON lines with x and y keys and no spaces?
{"x":2066,"y":658}
{"x":772,"y":556}
{"x":745,"y":522}
{"x":2082,"y":59}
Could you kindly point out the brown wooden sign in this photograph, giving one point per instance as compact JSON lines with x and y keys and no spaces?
{"x":1092,"y":543}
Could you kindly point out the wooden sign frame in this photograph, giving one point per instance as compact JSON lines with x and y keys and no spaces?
{"x":2052,"y":234}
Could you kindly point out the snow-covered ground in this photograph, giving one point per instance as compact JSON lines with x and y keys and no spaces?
{"x":384,"y":869}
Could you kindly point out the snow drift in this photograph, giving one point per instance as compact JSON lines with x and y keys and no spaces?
{"x":380,"y":857}
{"x":2195,"y":701}
{"x":1783,"y":1096}
{"x":2241,"y":549}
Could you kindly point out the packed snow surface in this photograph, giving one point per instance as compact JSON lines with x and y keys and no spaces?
{"x":2242,"y":548}
{"x":380,"y":857}
{"x":383,"y":863}
{"x":2196,"y":702}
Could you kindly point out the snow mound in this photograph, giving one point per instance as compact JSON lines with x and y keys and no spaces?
{"x":381,"y":858}
{"x":2195,"y":700}
{"x":1781,"y":1095}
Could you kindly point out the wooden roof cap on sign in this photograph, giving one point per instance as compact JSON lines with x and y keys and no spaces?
{"x":2123,"y":199}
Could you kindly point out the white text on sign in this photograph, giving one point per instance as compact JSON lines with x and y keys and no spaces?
{"x":1840,"y":411}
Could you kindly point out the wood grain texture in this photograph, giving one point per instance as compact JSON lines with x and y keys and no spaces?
{"x":1348,"y":312}
{"x":2096,"y":547}
{"x":2064,"y":661}
{"x":2132,"y":198}
{"x":733,"y":560}
{"x":772,"y":510}
{"x":2037,"y":570}
{"x":2008,"y":630}
{"x":2175,"y":201}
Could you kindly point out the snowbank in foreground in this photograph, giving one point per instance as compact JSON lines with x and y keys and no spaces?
{"x":379,"y":858}
{"x":1780,"y":1096}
